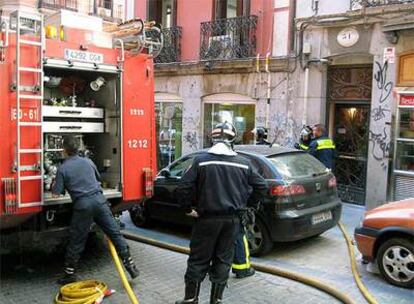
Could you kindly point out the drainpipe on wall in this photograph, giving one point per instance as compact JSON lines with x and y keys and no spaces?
{"x":258,"y":76}
{"x":268,"y":89}
{"x":305,"y":96}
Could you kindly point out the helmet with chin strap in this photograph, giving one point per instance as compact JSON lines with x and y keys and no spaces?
{"x":224,"y":132}
{"x":306,"y":133}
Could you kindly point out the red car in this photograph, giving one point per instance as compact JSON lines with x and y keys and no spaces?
{"x":387,"y":237}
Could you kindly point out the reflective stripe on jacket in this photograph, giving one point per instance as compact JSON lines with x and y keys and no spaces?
{"x":325,"y":144}
{"x":323,"y":148}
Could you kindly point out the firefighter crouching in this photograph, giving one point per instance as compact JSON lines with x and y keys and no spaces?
{"x":80,"y":177}
{"x":220,"y":182}
{"x":305,"y":138}
{"x":322,"y":147}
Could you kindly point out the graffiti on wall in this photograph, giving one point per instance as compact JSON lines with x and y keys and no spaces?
{"x":383,"y":85}
{"x":285,"y":130}
{"x":379,"y":135}
{"x":191,"y":140}
{"x":380,"y":144}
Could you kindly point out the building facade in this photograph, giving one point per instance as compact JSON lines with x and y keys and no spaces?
{"x":340,"y":63}
{"x":112,"y":11}
{"x":357,"y":54}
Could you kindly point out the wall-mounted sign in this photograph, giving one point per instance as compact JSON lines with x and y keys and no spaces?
{"x":407,"y":100}
{"x":348,"y":37}
{"x":389,"y":54}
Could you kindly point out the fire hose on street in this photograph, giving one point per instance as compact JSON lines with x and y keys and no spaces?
{"x":91,"y":291}
{"x":307,"y":280}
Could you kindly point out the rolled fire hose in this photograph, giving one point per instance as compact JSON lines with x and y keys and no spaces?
{"x":260,"y":267}
{"x":91,"y":291}
{"x":367,"y":295}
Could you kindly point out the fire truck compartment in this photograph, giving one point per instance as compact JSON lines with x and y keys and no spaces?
{"x":86,"y":104}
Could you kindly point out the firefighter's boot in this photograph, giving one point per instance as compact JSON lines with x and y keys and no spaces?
{"x":192,"y":290}
{"x":216,"y":294}
{"x":69,"y":275}
{"x":129,"y":264}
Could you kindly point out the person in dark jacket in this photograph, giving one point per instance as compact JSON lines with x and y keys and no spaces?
{"x":212,"y":190}
{"x":80,"y":177}
{"x":261,"y":136}
{"x":322,"y":147}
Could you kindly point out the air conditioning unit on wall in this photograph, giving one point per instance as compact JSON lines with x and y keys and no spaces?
{"x":220,"y":47}
{"x":104,"y":12}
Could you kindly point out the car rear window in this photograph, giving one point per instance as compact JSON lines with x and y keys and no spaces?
{"x":294,"y":165}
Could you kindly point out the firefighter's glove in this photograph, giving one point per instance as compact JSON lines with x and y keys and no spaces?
{"x":297,"y":146}
{"x":251,"y":216}
{"x":193,"y":213}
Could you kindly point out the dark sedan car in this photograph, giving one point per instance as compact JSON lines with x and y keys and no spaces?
{"x":302,"y":200}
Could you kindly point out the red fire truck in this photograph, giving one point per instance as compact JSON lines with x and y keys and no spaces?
{"x":60,"y":82}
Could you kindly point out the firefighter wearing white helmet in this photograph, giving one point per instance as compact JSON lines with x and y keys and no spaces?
{"x":215,"y":187}
{"x":305,"y":138}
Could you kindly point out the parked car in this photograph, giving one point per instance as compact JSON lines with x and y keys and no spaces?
{"x":302,"y":200}
{"x":386,"y":235}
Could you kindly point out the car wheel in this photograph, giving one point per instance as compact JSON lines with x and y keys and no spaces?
{"x":139,"y":215}
{"x":396,"y":262}
{"x":259,"y":240}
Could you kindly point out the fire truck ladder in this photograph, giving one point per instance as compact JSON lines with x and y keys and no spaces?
{"x":28,"y":23}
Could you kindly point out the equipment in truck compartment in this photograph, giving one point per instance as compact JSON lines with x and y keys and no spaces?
{"x":104,"y":116}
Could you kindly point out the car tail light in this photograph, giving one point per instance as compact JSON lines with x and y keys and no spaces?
{"x":148,"y":182}
{"x":282,"y":190}
{"x":332,"y":182}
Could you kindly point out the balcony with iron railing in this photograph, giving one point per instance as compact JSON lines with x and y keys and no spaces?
{"x":231,"y":38}
{"x":358,"y":4}
{"x":59,"y":4}
{"x":171,"y":50}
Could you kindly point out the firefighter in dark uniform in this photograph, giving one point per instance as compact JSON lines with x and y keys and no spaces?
{"x":261,"y":136}
{"x":213,"y":189}
{"x":241,"y":262}
{"x":305,"y":138}
{"x":80,"y":177}
{"x":322,"y":147}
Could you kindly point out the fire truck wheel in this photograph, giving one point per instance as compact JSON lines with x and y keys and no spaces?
{"x":139,"y":215}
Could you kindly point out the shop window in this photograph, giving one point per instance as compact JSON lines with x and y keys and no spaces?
{"x":163,"y":12}
{"x":242,"y":116}
{"x":169,"y":130}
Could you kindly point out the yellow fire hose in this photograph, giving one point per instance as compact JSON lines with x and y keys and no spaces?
{"x":260,"y":267}
{"x":82,"y":292}
{"x":87,"y":292}
{"x":90,"y":291}
{"x":121,"y":272}
{"x":367,"y":295}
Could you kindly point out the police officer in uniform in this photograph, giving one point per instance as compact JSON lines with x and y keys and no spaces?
{"x":305,"y":138}
{"x":80,"y":177}
{"x":322,"y":147}
{"x":213,"y":189}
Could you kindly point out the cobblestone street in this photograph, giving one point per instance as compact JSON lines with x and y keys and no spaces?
{"x":31,"y":277}
{"x":161,"y":280}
